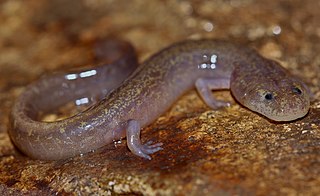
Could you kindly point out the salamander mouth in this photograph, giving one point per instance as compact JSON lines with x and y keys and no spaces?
{"x":285,"y":117}
{"x":281,"y":115}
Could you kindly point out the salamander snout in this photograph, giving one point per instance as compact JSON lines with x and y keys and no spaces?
{"x":285,"y":100}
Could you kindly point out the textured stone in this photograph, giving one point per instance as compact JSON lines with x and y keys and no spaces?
{"x":223,"y":152}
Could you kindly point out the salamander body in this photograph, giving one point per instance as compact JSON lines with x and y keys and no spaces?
{"x":257,"y":83}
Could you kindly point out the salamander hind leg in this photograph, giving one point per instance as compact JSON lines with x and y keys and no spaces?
{"x":206,"y":85}
{"x":134,"y":142}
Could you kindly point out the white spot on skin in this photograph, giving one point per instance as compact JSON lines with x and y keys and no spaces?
{"x":203,"y":66}
{"x":89,"y":73}
{"x":213,"y":59}
{"x":82,"y":101}
{"x":209,"y":65}
{"x":84,"y":74}
{"x":88,"y":127}
{"x":71,"y":76}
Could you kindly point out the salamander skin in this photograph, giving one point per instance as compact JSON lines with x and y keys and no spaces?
{"x":257,"y":83}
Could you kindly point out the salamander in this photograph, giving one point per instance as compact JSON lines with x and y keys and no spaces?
{"x":259,"y":84}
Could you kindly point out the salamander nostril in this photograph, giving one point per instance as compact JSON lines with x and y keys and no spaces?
{"x":268,"y":96}
{"x":296,"y":90}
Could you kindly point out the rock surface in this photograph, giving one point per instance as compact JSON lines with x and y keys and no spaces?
{"x":230,"y":151}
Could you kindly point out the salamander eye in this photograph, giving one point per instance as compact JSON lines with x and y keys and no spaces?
{"x":268,"y":96}
{"x":296,"y":90}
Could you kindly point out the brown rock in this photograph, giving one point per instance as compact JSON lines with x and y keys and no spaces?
{"x":223,"y":152}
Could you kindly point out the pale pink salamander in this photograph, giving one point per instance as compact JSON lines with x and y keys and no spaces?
{"x":257,"y":83}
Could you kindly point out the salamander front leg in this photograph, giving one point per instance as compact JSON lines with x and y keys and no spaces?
{"x":134,"y":142}
{"x":204,"y":87}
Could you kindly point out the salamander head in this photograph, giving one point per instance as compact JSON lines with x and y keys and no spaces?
{"x":283,"y":100}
